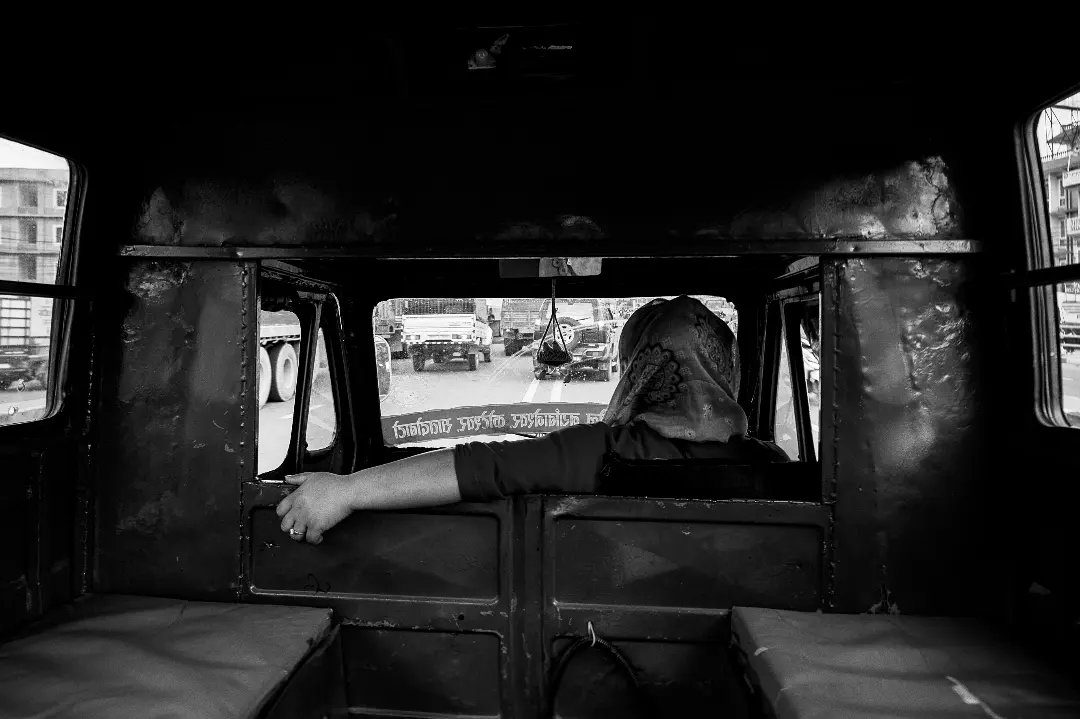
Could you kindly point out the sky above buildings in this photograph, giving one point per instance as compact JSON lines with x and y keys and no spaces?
{"x":15,"y":154}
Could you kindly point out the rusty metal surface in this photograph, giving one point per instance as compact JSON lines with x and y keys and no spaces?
{"x":658,"y":577}
{"x":910,"y":452}
{"x":317,"y":689}
{"x":405,"y":555}
{"x":172,"y":438}
{"x":910,"y":202}
{"x":633,"y":243}
{"x":455,"y":611}
{"x":38,"y":498}
{"x":18,"y":581}
{"x":422,"y":673}
{"x":416,"y":590}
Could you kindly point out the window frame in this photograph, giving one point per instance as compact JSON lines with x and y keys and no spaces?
{"x":56,"y":195}
{"x":1042,"y":276}
{"x":317,"y":308}
{"x":804,"y":282}
{"x":63,"y":290}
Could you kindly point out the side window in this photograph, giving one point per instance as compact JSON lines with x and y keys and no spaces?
{"x":796,"y":398}
{"x":279,"y":369}
{"x":35,"y":288}
{"x":785,"y":431}
{"x":298,"y":412}
{"x":322,"y":416}
{"x":1057,"y":139}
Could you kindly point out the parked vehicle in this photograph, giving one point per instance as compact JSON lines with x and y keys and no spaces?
{"x":447,"y":328}
{"x":519,"y":320}
{"x":587,"y":326}
{"x":383,"y":366}
{"x":24,"y":353}
{"x":387,"y":323}
{"x":279,"y":343}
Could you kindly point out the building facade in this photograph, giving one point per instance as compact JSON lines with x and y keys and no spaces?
{"x":1060,"y":132}
{"x":33,"y":204}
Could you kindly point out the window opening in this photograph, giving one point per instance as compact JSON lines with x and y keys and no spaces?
{"x":465,"y":369}
{"x":1057,"y":136}
{"x":322,"y":414}
{"x":29,"y":337}
{"x":279,"y":370}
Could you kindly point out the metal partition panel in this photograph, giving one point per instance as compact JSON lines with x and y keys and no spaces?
{"x":658,"y":577}
{"x":909,"y":445}
{"x":175,"y":430}
{"x":425,"y":597}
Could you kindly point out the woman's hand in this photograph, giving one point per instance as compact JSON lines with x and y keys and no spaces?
{"x":319,"y":502}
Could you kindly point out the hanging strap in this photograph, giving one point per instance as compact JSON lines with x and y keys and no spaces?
{"x":591,"y":678}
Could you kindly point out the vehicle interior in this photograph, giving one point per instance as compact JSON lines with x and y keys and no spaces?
{"x":893,"y":217}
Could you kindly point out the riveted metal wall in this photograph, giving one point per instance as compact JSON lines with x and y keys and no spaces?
{"x":175,"y":437}
{"x":910,"y":449}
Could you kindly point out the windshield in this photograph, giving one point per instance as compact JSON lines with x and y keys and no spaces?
{"x":581,"y":311}
{"x":465,"y":379}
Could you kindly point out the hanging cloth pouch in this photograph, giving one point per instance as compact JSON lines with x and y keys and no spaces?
{"x":552,"y":350}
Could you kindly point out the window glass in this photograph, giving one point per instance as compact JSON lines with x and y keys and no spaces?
{"x":1068,"y":296}
{"x":322,"y":417}
{"x":27,"y":336}
{"x":785,"y":430}
{"x":811,"y":352}
{"x":1058,"y":138}
{"x":26,"y":255}
{"x":466,"y":369}
{"x":279,"y":369}
{"x":28,"y":194}
{"x":25,"y":344}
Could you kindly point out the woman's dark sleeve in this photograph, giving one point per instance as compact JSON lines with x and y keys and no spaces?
{"x":564,"y":461}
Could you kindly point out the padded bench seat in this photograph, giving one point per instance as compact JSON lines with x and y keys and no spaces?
{"x":125,"y":656}
{"x":809,"y":665}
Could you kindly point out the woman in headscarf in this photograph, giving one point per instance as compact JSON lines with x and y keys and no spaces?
{"x":676,"y":399}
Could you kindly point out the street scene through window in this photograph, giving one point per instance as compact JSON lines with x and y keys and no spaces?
{"x":31,"y":229}
{"x":467,"y":369}
{"x":1058,"y":137}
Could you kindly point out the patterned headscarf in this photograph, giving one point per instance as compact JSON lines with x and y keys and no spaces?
{"x":681,"y":375}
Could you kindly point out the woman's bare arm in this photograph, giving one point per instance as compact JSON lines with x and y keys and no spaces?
{"x":322,"y":499}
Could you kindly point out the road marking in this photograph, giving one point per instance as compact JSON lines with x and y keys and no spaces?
{"x":556,"y":391}
{"x":531,"y":391}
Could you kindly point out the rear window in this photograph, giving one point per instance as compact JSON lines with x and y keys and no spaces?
{"x":466,"y":370}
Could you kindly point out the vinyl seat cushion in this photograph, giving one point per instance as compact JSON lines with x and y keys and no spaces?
{"x":808,"y":665}
{"x":128,"y":656}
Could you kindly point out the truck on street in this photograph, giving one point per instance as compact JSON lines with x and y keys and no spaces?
{"x":446,"y":328}
{"x":519,"y":316}
{"x":279,"y":345}
{"x":386,"y":322}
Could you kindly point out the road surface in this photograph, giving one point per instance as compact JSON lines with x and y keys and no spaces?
{"x":22,"y":405}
